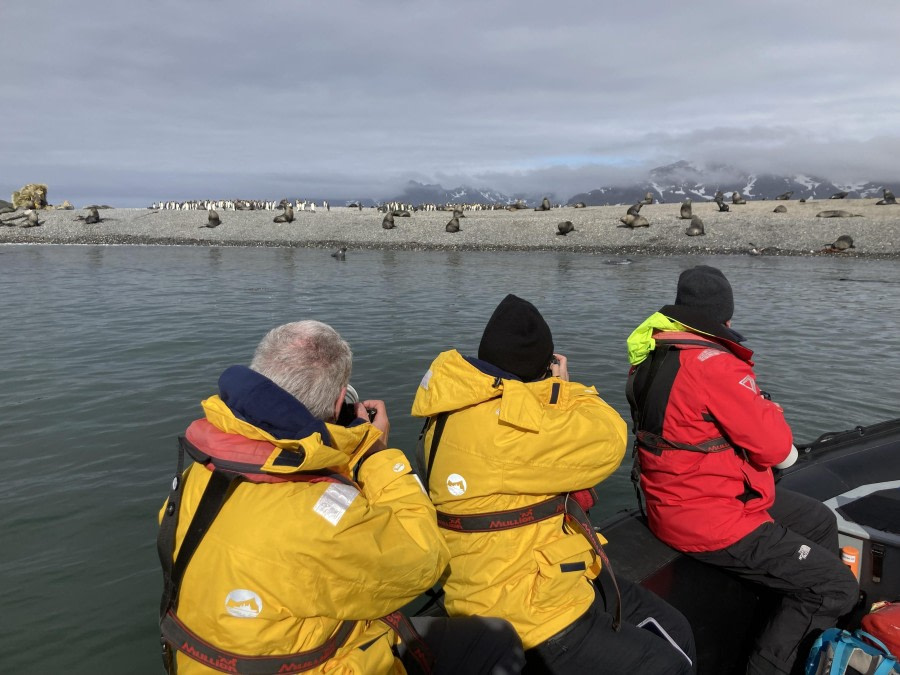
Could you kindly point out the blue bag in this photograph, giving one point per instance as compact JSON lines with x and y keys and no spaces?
{"x":837,"y":651}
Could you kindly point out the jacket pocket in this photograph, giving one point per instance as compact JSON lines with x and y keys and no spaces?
{"x":562,"y":564}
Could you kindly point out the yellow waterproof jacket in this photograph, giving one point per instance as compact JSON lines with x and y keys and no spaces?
{"x":285,"y":562}
{"x":507,"y":445}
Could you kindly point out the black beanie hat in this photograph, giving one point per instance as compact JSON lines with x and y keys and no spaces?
{"x":517,"y":339}
{"x":706,"y":289}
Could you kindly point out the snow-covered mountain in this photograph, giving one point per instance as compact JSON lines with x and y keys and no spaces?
{"x":676,"y":182}
{"x":421,"y":193}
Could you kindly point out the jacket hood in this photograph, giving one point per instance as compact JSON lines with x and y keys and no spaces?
{"x":671,"y":318}
{"x":252,"y":406}
{"x":454,"y":381}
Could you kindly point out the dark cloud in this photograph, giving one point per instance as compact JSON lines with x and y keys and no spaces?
{"x":142,"y":101}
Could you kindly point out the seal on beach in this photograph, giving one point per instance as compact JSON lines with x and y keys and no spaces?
{"x":565,"y":227}
{"x":802,"y":200}
{"x":457,"y":213}
{"x":633,"y":221}
{"x":723,"y":206}
{"x":579,"y":205}
{"x":889,"y":198}
{"x":648,"y":198}
{"x":839,"y":195}
{"x":695,"y":229}
{"x":545,"y":205}
{"x":634,"y":209}
{"x":212,"y":219}
{"x":31,"y":219}
{"x":340,"y":254}
{"x":287,"y":216}
{"x":388,"y":221}
{"x":737,"y":199}
{"x":785,"y":195}
{"x":834,"y":213}
{"x":841,"y":244}
{"x":91,"y":218}
{"x":401,"y":214}
{"x":453,"y":225}
{"x":781,"y":208}
{"x":686,"y":209}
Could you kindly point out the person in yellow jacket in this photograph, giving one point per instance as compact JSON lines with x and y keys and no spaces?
{"x":297,"y":533}
{"x":511,"y":453}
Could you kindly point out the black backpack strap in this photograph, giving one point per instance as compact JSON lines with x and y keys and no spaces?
{"x":422,"y":661}
{"x":439,"y":423}
{"x":214,"y":496}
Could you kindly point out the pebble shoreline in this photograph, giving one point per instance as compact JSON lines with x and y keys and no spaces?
{"x":597,"y":229}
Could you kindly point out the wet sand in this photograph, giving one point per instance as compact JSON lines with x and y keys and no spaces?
{"x":597,"y":229}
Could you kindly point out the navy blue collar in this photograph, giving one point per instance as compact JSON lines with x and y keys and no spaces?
{"x":491,"y":369}
{"x":254,"y":398}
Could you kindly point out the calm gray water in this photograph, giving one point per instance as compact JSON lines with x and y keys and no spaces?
{"x":107,"y":352}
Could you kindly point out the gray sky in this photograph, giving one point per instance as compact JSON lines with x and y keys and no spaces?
{"x":130,"y":102}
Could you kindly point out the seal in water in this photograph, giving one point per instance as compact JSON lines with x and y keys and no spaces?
{"x":781,"y":208}
{"x":624,"y":261}
{"x":340,"y":254}
{"x":453,"y":225}
{"x":785,"y":195}
{"x":287,"y":216}
{"x":212,"y":220}
{"x":841,"y":244}
{"x":837,"y":214}
{"x":695,"y":229}
{"x":388,"y":221}
{"x":839,"y":195}
{"x":565,"y":227}
{"x":686,"y":209}
{"x":737,"y":199}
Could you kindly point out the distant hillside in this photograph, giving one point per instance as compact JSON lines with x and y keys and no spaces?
{"x":676,"y":182}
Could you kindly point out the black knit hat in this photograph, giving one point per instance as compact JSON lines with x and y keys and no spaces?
{"x":706,"y":289}
{"x":517,"y":339}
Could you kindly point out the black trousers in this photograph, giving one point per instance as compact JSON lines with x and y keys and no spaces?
{"x":467,"y":645}
{"x":590,"y":645}
{"x":796,"y":556}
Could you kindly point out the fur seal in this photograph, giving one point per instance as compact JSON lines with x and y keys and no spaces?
{"x":802,"y":200}
{"x":635,"y":209}
{"x":624,"y":261}
{"x":889,"y":198}
{"x":686,"y":209}
{"x":565,"y":227}
{"x":401,"y":214}
{"x":545,"y":205}
{"x":785,"y":195}
{"x":579,"y":205}
{"x":31,"y":219}
{"x":720,"y":196}
{"x":453,"y":225}
{"x":287,"y":216}
{"x":839,"y":195}
{"x":648,"y":198}
{"x":840,"y":245}
{"x":212,"y":219}
{"x":633,"y":221}
{"x":737,"y":199}
{"x":695,"y":229}
{"x":837,"y":214}
{"x":388,"y":221}
{"x":723,"y":206}
{"x":340,"y":254}
{"x":457,"y":213}
{"x":780,"y":209}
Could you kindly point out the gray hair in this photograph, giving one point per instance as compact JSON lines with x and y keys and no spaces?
{"x":309,"y":360}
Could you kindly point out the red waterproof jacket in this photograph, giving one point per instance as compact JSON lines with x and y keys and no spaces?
{"x":702,"y":393}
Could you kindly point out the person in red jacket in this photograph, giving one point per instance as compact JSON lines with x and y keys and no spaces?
{"x":708,"y":439}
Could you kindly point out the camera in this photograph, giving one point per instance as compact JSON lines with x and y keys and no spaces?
{"x":348,"y":408}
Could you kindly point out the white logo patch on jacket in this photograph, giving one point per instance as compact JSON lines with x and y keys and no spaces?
{"x":708,"y":354}
{"x":335,"y":501}
{"x":802,"y":552}
{"x":456,"y":485}
{"x":750,"y":383}
{"x":426,"y":378}
{"x":243,"y":604}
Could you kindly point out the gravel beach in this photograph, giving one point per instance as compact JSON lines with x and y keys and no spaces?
{"x":597,"y":229}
